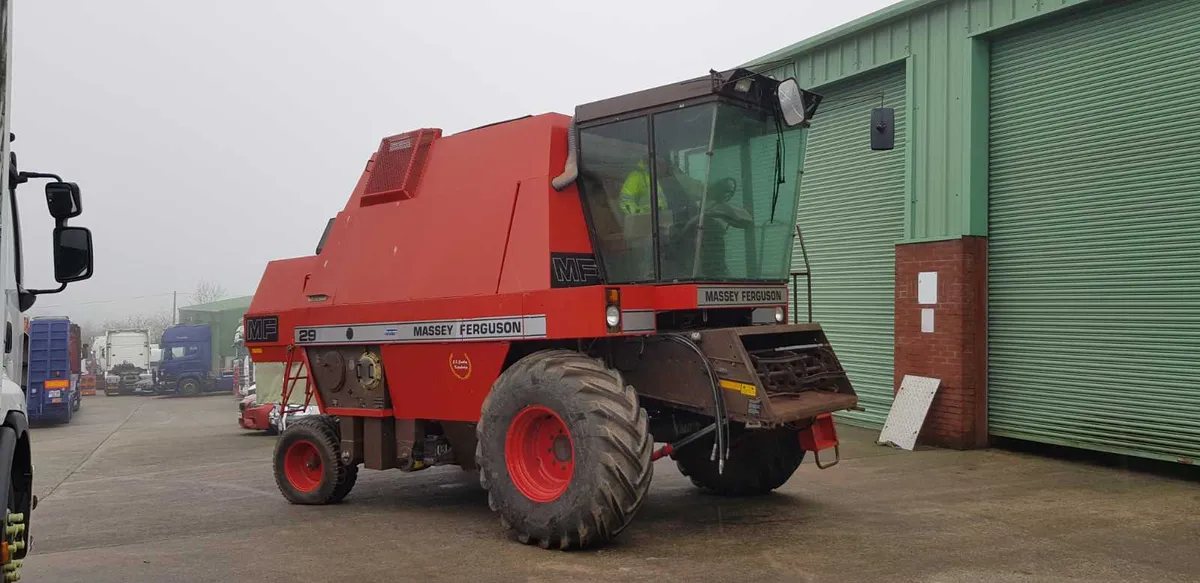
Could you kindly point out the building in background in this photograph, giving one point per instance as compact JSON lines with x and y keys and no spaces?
{"x":1045,"y":170}
{"x":223,"y":317}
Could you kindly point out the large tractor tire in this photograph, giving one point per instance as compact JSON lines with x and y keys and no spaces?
{"x":563,"y":450}
{"x":308,"y":463}
{"x":189,"y":387}
{"x":759,"y":461}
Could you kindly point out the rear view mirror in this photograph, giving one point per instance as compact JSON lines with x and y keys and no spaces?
{"x":883,"y":128}
{"x":72,"y":254}
{"x":797,"y":105}
{"x":64,"y":200}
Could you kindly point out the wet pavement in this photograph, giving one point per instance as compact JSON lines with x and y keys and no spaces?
{"x":143,"y":489}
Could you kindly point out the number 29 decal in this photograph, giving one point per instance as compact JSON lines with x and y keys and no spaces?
{"x":306,"y":335}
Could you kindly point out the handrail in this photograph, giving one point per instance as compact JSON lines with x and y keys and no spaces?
{"x":807,"y":273}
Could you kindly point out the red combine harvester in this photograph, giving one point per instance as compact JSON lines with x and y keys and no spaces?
{"x":545,"y":298}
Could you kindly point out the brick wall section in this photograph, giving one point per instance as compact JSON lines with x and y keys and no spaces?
{"x":956,"y":351}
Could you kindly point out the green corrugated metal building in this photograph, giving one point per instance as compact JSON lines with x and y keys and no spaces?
{"x":224,"y":316}
{"x":1046,"y":171}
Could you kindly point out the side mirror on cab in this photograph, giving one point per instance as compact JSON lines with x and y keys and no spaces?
{"x":797,"y":105}
{"x":64,"y":200}
{"x":883,"y":128}
{"x":72,"y":254}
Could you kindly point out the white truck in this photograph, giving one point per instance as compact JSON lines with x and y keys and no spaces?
{"x":72,"y":252}
{"x":127,"y":362}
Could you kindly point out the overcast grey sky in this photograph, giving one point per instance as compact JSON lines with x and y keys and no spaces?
{"x":211,"y":137}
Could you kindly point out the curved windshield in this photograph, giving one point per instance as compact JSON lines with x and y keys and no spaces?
{"x":716,"y":203}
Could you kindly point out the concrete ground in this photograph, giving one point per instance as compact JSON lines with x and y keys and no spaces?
{"x":142,"y":489}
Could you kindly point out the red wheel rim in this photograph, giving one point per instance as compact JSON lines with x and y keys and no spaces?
{"x":539,"y":453}
{"x":303,"y":466}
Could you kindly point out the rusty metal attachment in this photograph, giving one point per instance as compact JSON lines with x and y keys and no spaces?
{"x":795,"y":369}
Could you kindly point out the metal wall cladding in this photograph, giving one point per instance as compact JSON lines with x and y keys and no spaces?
{"x":935,"y":38}
{"x":1094,"y":291}
{"x":851,"y":213}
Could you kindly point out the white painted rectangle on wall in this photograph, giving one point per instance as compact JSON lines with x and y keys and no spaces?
{"x":927,"y":288}
{"x":927,"y":320}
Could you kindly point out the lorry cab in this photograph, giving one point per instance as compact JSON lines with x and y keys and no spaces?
{"x":187,"y":360}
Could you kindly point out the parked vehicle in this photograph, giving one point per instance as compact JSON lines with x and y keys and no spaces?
{"x":267,"y":416}
{"x":189,"y":365}
{"x":155,"y":360}
{"x":127,"y":363}
{"x":255,"y":416}
{"x":72,"y":252}
{"x":54,"y":364}
{"x":571,"y":326}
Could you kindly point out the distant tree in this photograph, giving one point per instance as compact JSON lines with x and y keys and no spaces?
{"x":207,"y":291}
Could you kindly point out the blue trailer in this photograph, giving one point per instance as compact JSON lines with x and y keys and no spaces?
{"x":52,"y":384}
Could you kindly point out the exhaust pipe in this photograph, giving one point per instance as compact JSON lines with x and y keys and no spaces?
{"x":571,"y":168}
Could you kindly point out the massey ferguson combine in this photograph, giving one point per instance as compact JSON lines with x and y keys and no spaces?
{"x":544,"y":299}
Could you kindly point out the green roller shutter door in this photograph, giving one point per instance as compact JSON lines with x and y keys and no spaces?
{"x":1094,"y":291}
{"x":851,"y":212}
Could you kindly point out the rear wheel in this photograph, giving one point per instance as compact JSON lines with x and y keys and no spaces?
{"x":759,"y":461}
{"x":563,"y":450}
{"x":308,"y":463}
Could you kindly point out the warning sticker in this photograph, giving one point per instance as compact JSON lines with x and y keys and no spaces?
{"x":740,"y":387}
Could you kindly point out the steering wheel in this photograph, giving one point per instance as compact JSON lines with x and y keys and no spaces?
{"x":724,"y":189}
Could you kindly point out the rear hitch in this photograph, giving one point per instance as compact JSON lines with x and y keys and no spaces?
{"x":819,"y":436}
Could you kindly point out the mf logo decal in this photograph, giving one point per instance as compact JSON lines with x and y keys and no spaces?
{"x":460,"y":366}
{"x":573,"y":269}
{"x":262,"y":329}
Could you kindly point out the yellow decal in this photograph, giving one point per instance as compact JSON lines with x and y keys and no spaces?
{"x":743,"y":388}
{"x":57,"y":384}
{"x":460,"y":366}
{"x":255,"y":351}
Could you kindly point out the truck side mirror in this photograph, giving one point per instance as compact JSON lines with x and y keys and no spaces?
{"x":64,"y":200}
{"x":72,"y":254}
{"x":883,"y":128}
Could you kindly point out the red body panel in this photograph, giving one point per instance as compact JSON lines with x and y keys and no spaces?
{"x":253,"y":416}
{"x":75,"y":349}
{"x":473,"y":241}
{"x":446,"y":381}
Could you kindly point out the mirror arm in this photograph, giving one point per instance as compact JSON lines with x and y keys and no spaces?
{"x":23,"y":177}
{"x":38,"y":292}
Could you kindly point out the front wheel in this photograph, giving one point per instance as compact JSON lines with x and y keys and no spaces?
{"x":308,"y":463}
{"x":563,"y":450}
{"x":759,"y":461}
{"x":17,"y":510}
{"x":189,"y":387}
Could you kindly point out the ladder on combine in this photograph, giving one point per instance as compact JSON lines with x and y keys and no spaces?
{"x":295,"y":369}
{"x":807,"y":273}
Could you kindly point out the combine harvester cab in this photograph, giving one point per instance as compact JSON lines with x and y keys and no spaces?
{"x":546,"y":298}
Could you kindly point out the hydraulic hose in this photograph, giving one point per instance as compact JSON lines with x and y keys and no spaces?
{"x":722,"y":416}
{"x":571,"y":168}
